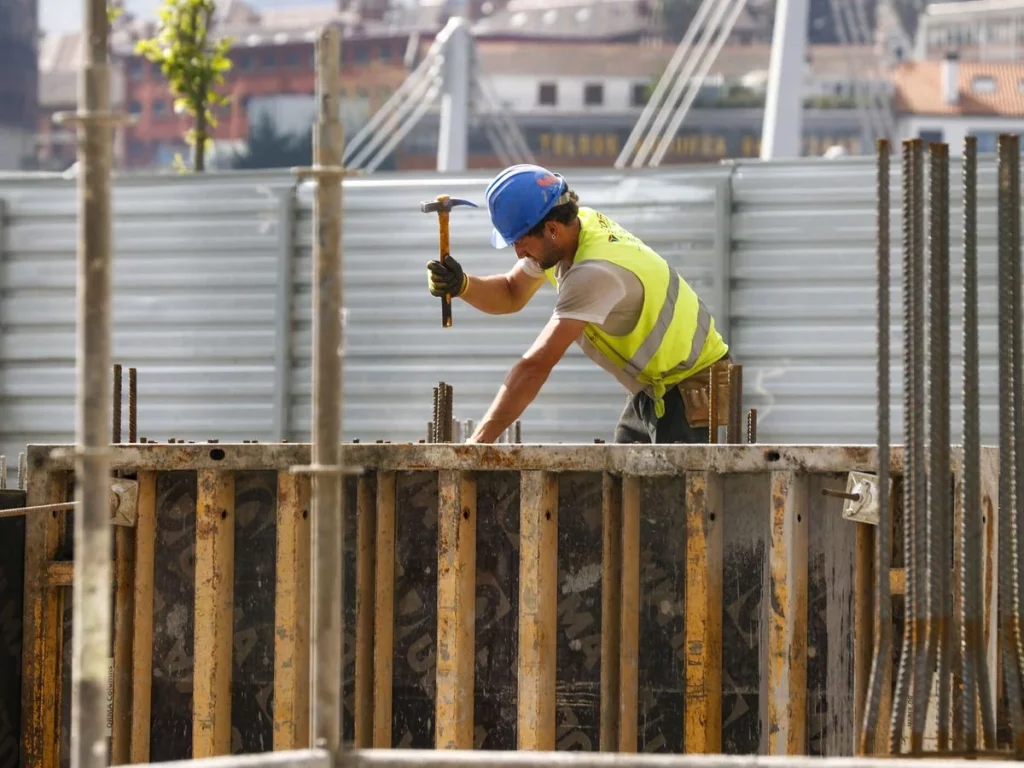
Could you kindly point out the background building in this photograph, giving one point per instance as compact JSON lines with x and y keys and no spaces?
{"x":19,"y":82}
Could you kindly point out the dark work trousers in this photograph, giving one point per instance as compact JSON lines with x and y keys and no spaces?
{"x":638,"y":424}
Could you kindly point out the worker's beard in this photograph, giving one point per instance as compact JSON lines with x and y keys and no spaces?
{"x":550,"y":255}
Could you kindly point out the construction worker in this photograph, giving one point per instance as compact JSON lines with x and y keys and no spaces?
{"x":619,"y":300}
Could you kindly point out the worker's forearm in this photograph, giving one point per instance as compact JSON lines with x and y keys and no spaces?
{"x":519,"y":390}
{"x":492,"y":294}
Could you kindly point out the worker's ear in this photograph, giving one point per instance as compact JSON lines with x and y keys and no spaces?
{"x":551,"y":230}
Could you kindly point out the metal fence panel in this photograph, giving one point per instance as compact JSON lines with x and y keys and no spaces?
{"x":396,"y":348}
{"x":205,"y":266}
{"x":195,"y":302}
{"x":803,"y":295}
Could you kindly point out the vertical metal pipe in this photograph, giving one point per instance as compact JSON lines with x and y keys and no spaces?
{"x":327,"y":383}
{"x":3,"y":471}
{"x":883,"y":534}
{"x":752,"y":426}
{"x":22,"y":472}
{"x":116,"y":404}
{"x":435,"y":429}
{"x":901,"y":694}
{"x":92,"y":583}
{"x":133,"y":405}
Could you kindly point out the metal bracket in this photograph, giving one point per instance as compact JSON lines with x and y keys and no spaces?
{"x":861,"y":503}
{"x":124,"y":502}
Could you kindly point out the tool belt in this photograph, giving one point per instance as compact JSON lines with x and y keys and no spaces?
{"x":696,"y":395}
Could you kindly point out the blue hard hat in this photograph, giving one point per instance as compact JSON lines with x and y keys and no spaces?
{"x":518,"y":198}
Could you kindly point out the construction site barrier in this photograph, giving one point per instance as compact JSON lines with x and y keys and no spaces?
{"x":696,"y":599}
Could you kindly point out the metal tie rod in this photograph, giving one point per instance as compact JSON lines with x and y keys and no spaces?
{"x":718,"y":26}
{"x":671,"y":70}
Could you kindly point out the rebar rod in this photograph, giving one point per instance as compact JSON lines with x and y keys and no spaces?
{"x":901,"y":693}
{"x":883,"y":545}
{"x":1007,"y":437}
{"x":133,"y":405}
{"x":91,"y":590}
{"x":1013,"y":223}
{"x":976,"y":679}
{"x":326,"y":497}
{"x":116,"y":404}
{"x":918,"y":575}
{"x":940,"y":514}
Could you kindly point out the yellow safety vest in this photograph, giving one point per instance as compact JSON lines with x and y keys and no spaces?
{"x":675,"y":336}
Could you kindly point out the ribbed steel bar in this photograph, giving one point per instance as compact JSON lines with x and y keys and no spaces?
{"x":970,"y":533}
{"x":883,"y":544}
{"x":133,"y":405}
{"x":326,"y":496}
{"x":941,"y":513}
{"x":918,"y":576}
{"x":435,"y":424}
{"x":1013,"y":166}
{"x":116,"y":404}
{"x":902,"y":688}
{"x":1007,"y":436}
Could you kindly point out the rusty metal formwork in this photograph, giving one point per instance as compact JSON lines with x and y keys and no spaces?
{"x":694,"y":599}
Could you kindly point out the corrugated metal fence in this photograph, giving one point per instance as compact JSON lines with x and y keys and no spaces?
{"x":212,"y":301}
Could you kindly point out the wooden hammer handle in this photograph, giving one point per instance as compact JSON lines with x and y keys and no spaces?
{"x":446,"y":300}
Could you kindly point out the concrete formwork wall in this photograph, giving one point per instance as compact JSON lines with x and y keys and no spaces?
{"x":747,"y":514}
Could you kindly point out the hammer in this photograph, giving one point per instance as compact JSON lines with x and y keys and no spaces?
{"x":443,"y":206}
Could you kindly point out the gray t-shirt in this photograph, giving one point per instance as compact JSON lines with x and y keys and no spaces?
{"x":601,"y":293}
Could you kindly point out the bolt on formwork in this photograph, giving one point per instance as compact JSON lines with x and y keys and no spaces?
{"x":945,"y":680}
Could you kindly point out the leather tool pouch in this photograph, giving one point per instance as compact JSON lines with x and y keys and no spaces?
{"x":696,"y":404}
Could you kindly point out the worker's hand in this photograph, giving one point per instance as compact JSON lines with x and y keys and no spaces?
{"x":447,"y":278}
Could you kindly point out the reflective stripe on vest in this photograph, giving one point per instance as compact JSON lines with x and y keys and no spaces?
{"x":649,"y":348}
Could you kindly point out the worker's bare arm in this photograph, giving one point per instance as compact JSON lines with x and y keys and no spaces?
{"x":527,"y":377}
{"x":502,"y":294}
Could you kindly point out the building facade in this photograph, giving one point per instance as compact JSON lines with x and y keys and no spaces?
{"x":19,"y":81}
{"x":945,"y":101}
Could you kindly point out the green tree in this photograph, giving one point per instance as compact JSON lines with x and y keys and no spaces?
{"x":194,"y":63}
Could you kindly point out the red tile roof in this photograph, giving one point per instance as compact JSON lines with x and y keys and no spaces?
{"x":919,"y":89}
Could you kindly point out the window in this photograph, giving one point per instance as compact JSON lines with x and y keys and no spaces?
{"x":983,"y":84}
{"x":136,"y":71}
{"x":547,"y":95}
{"x":134,"y":108}
{"x":930,"y":135}
{"x":593,"y":94}
{"x":639,"y":95}
{"x":1020,"y":86}
{"x":159,"y":107}
{"x":988,"y":141}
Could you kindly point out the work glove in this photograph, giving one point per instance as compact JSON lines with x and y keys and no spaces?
{"x":446,"y":279}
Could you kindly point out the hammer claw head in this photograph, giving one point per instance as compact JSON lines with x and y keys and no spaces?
{"x":445,"y":204}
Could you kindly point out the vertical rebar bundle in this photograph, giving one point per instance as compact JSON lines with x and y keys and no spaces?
{"x":943,"y":644}
{"x":441,"y":430}
{"x":326,"y":496}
